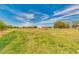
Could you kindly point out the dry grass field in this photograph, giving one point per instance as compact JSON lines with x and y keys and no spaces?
{"x":40,"y":41}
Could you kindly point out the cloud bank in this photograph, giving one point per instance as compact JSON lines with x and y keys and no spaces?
{"x":27,"y":17}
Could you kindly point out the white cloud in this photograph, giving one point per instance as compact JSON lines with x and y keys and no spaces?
{"x":45,"y":17}
{"x":6,"y":8}
{"x":19,"y":18}
{"x":67,"y":10}
{"x":52,"y":20}
{"x":49,"y":20}
{"x":24,"y":17}
{"x":26,"y":24}
{"x":27,"y":16}
{"x":70,"y":14}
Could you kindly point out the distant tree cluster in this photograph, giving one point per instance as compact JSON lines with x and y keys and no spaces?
{"x":75,"y":24}
{"x":57,"y":24}
{"x":60,"y":24}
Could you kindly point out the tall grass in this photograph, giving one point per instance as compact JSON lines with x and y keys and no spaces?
{"x":40,"y":41}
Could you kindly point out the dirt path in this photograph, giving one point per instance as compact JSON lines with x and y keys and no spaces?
{"x":4,"y":32}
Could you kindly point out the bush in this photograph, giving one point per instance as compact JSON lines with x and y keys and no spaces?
{"x":2,"y":25}
{"x":60,"y":24}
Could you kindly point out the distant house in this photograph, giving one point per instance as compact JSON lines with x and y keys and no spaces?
{"x":75,"y":26}
{"x":39,"y":27}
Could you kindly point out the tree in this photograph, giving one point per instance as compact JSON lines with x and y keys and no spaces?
{"x":2,"y":25}
{"x":75,"y":24}
{"x":34,"y":26}
{"x":67,"y":26}
{"x":60,"y":24}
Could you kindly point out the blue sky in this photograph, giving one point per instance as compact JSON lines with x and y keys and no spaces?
{"x":38,"y":14}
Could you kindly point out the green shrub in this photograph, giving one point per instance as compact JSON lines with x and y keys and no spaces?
{"x":2,"y":25}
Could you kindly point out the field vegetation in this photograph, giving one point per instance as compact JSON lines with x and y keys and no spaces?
{"x":40,"y":41}
{"x":58,"y":40}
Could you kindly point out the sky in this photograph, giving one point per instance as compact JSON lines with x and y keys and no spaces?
{"x":38,"y":14}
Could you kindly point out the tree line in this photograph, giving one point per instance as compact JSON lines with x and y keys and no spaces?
{"x":57,"y":24}
{"x":62,"y":24}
